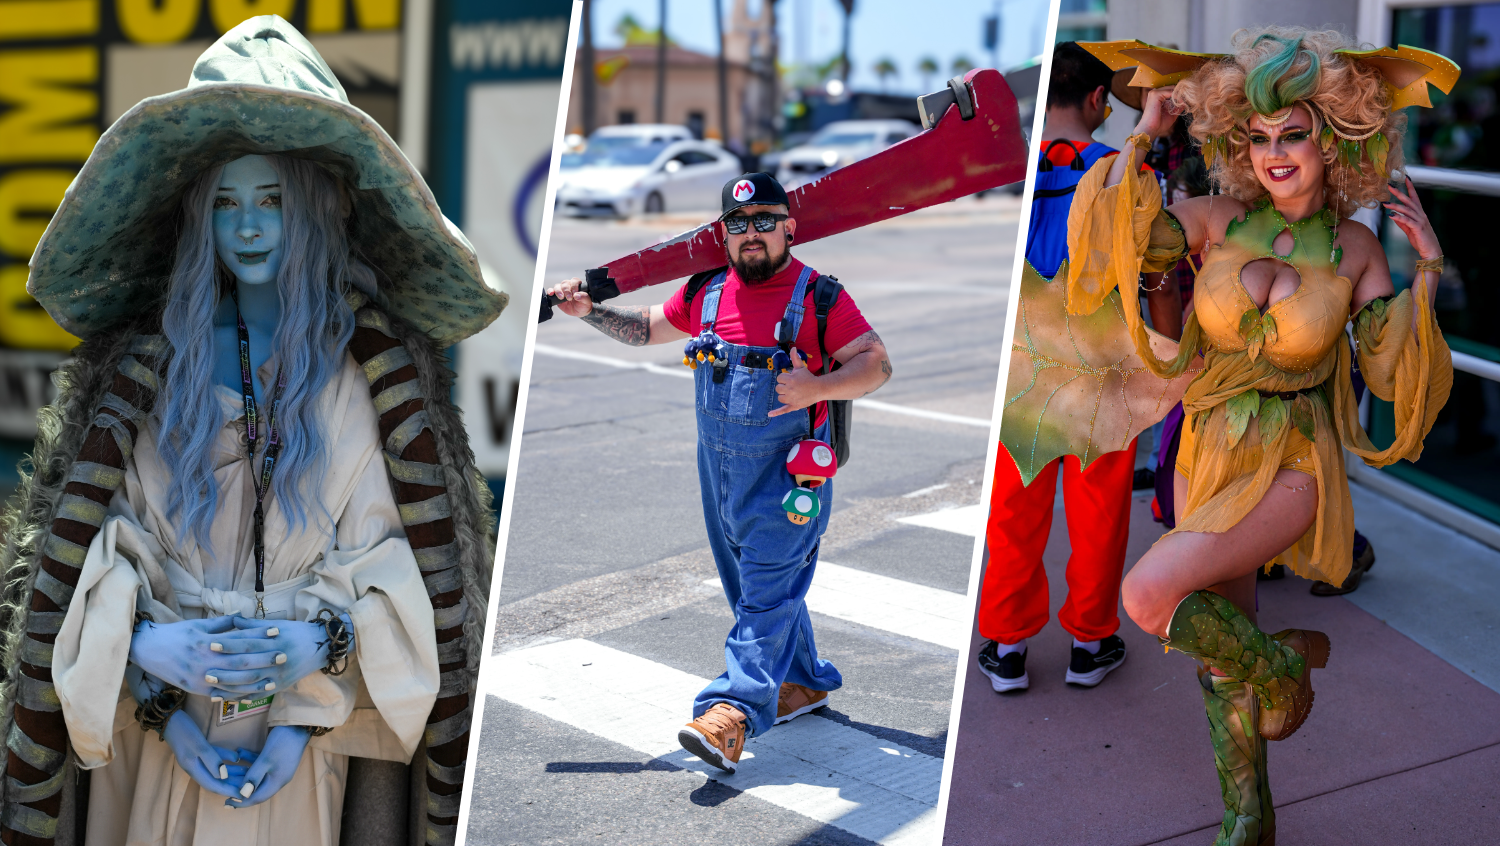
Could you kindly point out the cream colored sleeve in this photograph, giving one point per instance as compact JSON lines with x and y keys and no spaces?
{"x":93,"y":646}
{"x":392,"y":678}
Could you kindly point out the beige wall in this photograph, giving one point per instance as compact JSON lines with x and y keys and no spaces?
{"x":692,"y":86}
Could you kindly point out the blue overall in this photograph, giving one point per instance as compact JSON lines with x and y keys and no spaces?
{"x":765,"y":561}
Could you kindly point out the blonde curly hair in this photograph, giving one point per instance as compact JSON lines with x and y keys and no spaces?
{"x":1276,"y":67}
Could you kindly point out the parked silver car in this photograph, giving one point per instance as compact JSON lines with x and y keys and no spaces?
{"x":837,"y":144}
{"x":619,"y":179}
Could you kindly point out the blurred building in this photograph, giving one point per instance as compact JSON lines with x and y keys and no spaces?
{"x":625,"y":84}
{"x":625,"y":80}
{"x":1453,"y":155}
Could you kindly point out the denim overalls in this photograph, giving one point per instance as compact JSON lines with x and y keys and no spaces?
{"x":765,"y":561}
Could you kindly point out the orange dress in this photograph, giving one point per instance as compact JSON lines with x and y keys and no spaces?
{"x":1275,"y":389}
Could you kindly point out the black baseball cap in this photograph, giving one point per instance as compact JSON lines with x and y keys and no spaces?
{"x":752,"y":189}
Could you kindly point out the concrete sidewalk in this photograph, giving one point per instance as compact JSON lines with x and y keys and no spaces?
{"x":1403,"y":746}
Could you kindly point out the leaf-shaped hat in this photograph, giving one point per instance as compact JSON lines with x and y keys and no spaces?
{"x":260,"y":89}
{"x":1407,"y":70}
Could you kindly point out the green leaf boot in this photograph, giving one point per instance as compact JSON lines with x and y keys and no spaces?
{"x":1210,"y":628}
{"x":1240,"y":758}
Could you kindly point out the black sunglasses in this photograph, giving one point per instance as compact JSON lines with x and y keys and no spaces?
{"x":764,"y":222}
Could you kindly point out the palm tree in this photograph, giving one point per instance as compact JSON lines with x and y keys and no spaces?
{"x":885,"y":68}
{"x":961,"y":65}
{"x":927,"y":67}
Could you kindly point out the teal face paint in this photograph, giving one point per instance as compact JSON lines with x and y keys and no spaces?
{"x":247,"y":220}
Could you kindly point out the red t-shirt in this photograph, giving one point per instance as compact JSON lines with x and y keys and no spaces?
{"x":748,"y":315}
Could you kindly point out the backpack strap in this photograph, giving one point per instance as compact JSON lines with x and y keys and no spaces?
{"x":825,"y":293}
{"x":696,"y":282}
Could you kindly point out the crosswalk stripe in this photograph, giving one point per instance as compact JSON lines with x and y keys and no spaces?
{"x":684,"y":373}
{"x":964,"y":520}
{"x":867,"y":786}
{"x":893,"y":605}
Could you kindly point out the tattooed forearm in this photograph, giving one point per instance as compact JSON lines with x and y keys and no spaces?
{"x":885,"y":376}
{"x":629,"y":325}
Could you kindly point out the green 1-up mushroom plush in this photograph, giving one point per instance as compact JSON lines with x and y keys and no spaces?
{"x":801,"y":505}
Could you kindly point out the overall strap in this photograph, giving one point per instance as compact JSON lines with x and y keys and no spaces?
{"x":711,"y":300}
{"x":791,"y":320}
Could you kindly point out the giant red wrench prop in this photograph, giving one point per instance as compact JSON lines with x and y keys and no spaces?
{"x":972,"y":143}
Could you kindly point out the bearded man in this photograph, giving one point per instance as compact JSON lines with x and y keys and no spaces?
{"x":750,"y":415}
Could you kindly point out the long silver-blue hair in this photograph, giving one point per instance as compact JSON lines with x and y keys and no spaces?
{"x":317,"y":270}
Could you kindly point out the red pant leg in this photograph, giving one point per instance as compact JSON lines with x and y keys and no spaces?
{"x":1098,"y":508}
{"x":1013,"y":598}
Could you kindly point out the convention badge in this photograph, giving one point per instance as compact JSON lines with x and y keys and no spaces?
{"x":237,"y":710}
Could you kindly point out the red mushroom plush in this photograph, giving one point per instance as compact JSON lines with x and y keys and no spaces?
{"x":811,"y":463}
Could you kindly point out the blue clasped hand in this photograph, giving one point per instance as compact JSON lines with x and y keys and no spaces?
{"x":188,"y":654}
{"x":273,"y":768}
{"x":214,"y":768}
{"x":297,"y":650}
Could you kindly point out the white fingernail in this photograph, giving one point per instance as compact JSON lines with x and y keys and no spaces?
{"x":211,"y":679}
{"x":247,"y":790}
{"x":216,"y":647}
{"x":270,"y":685}
{"x":281,"y":657}
{"x":272,"y":631}
{"x":223,"y":771}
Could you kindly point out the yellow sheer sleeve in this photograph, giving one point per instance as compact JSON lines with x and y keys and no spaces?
{"x":1115,"y":233}
{"x":1412,"y":371}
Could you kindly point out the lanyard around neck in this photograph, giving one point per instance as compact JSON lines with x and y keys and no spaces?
{"x":273,"y":448}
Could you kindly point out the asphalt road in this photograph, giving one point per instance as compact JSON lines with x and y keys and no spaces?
{"x":608,"y":567}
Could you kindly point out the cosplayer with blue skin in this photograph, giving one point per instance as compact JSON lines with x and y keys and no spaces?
{"x":250,"y":568}
{"x":195,"y":655}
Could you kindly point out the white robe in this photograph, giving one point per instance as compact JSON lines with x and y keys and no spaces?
{"x":361,"y":564}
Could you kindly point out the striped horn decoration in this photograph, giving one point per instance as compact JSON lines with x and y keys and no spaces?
{"x":424,"y":469}
{"x":37,"y":743}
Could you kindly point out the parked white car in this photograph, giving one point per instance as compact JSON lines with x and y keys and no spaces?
{"x":622,"y":174}
{"x":837,"y":144}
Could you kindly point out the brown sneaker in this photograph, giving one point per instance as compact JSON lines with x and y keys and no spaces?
{"x":796,"y":700}
{"x":717,"y":737}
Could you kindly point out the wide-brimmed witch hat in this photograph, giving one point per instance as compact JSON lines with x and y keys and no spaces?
{"x":260,"y":89}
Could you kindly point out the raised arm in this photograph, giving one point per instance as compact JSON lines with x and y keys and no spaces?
{"x":637,"y":326}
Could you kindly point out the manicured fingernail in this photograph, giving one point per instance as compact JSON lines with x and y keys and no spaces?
{"x":247,"y":790}
{"x":270,"y":685}
{"x":216,"y":647}
{"x":272,"y":631}
{"x":211,"y":679}
{"x":281,"y":657}
{"x":223,"y":771}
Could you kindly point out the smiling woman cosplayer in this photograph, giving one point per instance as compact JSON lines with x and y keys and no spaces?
{"x":255,"y":530}
{"x":1299,"y":130}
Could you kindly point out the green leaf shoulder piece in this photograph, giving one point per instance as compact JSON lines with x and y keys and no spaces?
{"x":1077,"y":385}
